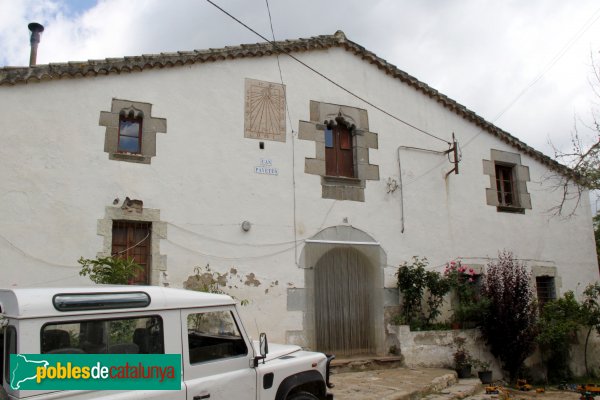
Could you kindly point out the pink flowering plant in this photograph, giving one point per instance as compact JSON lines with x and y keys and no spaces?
{"x":463,"y":282}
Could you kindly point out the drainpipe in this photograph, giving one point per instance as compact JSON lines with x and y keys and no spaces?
{"x":36,"y":30}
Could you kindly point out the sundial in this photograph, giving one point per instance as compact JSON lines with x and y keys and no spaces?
{"x":264,"y":110}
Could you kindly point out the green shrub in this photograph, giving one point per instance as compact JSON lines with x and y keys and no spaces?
{"x":109,"y":270}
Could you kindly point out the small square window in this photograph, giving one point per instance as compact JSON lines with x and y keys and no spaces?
{"x":545,"y":289}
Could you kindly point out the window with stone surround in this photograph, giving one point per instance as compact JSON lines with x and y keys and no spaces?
{"x":547,"y":283}
{"x":546,"y":290}
{"x":133,"y":230}
{"x":131,"y":130}
{"x":342,"y":142}
{"x":508,"y":182}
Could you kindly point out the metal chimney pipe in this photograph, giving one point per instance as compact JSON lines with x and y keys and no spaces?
{"x":36,"y":30}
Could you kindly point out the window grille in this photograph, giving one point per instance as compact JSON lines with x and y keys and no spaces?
{"x":545,"y":289}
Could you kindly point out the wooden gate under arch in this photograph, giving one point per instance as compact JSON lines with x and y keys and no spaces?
{"x":343,"y":321}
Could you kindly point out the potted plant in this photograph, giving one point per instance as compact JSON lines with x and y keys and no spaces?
{"x":462,"y":358}
{"x":483,"y":371}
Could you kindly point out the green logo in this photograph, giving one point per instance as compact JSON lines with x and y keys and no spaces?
{"x":95,"y":371}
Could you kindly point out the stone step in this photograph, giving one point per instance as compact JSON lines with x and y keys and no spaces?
{"x":365,"y":364}
{"x":391,"y":384}
{"x":459,"y":390}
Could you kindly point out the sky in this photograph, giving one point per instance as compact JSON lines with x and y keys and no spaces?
{"x":526,"y":66}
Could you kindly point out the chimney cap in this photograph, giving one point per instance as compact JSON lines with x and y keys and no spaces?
{"x":35,"y":27}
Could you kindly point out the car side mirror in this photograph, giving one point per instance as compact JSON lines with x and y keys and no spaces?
{"x":264,"y":345}
{"x":263,"y":348}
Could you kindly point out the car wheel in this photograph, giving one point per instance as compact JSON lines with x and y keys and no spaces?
{"x":302,"y":396}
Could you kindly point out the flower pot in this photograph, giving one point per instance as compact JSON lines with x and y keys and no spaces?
{"x":464,"y":372}
{"x":485,"y":376}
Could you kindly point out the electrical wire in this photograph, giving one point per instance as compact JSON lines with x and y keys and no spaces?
{"x":287,"y":109}
{"x":549,"y":66}
{"x":552,"y":62}
{"x":241,"y":258}
{"x":280,"y":74}
{"x":25,"y":254}
{"x":52,"y":281}
{"x":211,"y":238}
{"x":133,"y":246}
{"x":276,"y":46}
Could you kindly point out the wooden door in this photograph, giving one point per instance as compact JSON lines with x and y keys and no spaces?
{"x":342,"y":303}
{"x":131,"y":239}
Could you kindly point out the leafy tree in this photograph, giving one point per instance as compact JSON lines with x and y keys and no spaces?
{"x":509,"y":325}
{"x":590,"y":314}
{"x":559,"y":321}
{"x":109,"y":270}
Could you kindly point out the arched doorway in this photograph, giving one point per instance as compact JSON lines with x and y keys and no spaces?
{"x":344,"y":287}
{"x":343,"y":298}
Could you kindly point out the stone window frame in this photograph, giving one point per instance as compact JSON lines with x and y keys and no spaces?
{"x":520,"y":177}
{"x":157,"y":271}
{"x":150,"y":127}
{"x":323,"y":115}
{"x":546,"y":271}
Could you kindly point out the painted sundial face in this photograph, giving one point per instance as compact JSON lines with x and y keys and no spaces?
{"x":264,"y":111}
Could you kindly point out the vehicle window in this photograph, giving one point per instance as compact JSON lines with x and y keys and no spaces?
{"x":10,"y":347}
{"x":142,"y":335}
{"x":214,"y":335}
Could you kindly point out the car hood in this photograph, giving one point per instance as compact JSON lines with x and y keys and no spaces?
{"x":277,"y":350}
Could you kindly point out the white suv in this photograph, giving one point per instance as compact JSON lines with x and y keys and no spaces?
{"x":219,"y":362}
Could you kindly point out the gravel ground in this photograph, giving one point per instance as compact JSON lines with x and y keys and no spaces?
{"x":530,"y":395}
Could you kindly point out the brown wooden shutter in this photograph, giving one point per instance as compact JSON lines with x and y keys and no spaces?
{"x":131,"y":239}
{"x":339,"y":157}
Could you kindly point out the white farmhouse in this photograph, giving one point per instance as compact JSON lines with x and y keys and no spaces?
{"x":304,"y":194}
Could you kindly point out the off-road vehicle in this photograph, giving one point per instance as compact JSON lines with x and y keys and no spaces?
{"x":218,"y":360}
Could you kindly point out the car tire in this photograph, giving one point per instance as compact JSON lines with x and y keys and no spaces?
{"x":302,"y":396}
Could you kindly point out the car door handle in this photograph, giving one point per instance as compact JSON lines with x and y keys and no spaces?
{"x":202,"y":396}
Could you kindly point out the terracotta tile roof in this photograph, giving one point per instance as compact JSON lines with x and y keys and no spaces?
{"x":38,"y":73}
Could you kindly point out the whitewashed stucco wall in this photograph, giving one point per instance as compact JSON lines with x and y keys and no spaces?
{"x":57,"y":182}
{"x":435,"y":349}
